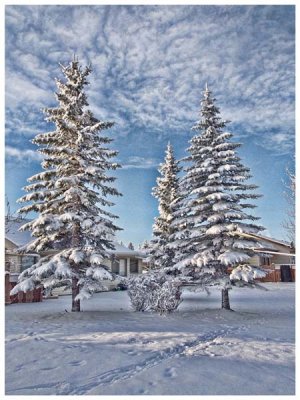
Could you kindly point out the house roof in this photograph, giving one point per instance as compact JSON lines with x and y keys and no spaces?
{"x":272,"y":240}
{"x":14,"y":235}
{"x":121,"y":249}
{"x":21,"y":239}
{"x":266,"y":242}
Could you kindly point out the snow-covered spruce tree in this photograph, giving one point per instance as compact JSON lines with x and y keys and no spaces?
{"x":161,"y":255}
{"x":212,"y":228}
{"x":157,"y":291}
{"x":70,"y":196}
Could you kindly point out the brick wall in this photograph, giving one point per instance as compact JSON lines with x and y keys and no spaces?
{"x":33,"y":296}
{"x":7,"y":289}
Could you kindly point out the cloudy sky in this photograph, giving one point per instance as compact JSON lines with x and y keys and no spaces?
{"x":150,"y":65}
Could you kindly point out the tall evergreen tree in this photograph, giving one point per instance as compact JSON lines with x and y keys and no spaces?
{"x":158,"y":290}
{"x":70,"y":196}
{"x":161,"y":255}
{"x":212,"y":228}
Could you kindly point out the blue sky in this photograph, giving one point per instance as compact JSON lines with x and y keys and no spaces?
{"x":150,"y":65}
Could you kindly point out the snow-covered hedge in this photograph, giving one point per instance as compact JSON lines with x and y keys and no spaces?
{"x":154,"y":292}
{"x":137,"y":294}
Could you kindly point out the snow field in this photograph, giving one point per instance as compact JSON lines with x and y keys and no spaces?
{"x":109,"y":349}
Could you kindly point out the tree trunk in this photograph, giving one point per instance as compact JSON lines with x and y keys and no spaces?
{"x":75,"y":291}
{"x":75,"y":287}
{"x":225,"y":299}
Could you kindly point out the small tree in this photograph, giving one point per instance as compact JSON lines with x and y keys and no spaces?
{"x":161,"y":254}
{"x":70,"y":196}
{"x":212,"y":228}
{"x":159,"y":291}
{"x":9,"y":216}
{"x":289,"y":223}
{"x":130,"y":246}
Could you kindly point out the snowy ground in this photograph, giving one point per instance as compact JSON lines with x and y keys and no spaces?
{"x":110,"y":350}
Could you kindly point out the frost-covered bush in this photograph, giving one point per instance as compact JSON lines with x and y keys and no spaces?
{"x":137,"y":293}
{"x":156,"y":292}
{"x":166,"y":297}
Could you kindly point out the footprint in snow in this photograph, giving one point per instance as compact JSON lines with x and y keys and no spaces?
{"x":131,"y":340}
{"x":132,"y":353}
{"x":19,"y":367}
{"x":141,"y":391}
{"x":48,"y":368}
{"x":40,"y":339}
{"x":78,"y":363}
{"x":170,"y":373}
{"x":73,"y":346}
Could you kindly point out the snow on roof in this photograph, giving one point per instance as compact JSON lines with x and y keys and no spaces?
{"x":269,"y":239}
{"x":14,"y":235}
{"x":121,"y":249}
{"x":266,"y":242}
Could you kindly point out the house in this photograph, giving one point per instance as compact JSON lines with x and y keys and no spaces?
{"x":274,"y":255}
{"x":15,"y":262}
{"x":277,"y":256}
{"x":14,"y":240}
{"x":123,"y":261}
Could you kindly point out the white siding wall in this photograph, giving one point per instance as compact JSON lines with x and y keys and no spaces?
{"x":122,"y":265}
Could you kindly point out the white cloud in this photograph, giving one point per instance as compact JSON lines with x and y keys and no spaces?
{"x":22,"y":155}
{"x":280,"y":138}
{"x":151,"y":63}
{"x":140,"y":162}
{"x":20,"y":90}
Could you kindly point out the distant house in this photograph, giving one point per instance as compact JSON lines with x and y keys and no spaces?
{"x":278,"y":257}
{"x":122,"y":261}
{"x":16,"y":262}
{"x":275,"y":256}
{"x":125,"y":261}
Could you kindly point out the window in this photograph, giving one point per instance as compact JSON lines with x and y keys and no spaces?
{"x":293,"y":260}
{"x":265,"y":261}
{"x":27,"y":262}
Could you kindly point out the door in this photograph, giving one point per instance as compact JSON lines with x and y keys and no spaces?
{"x":285,"y":272}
